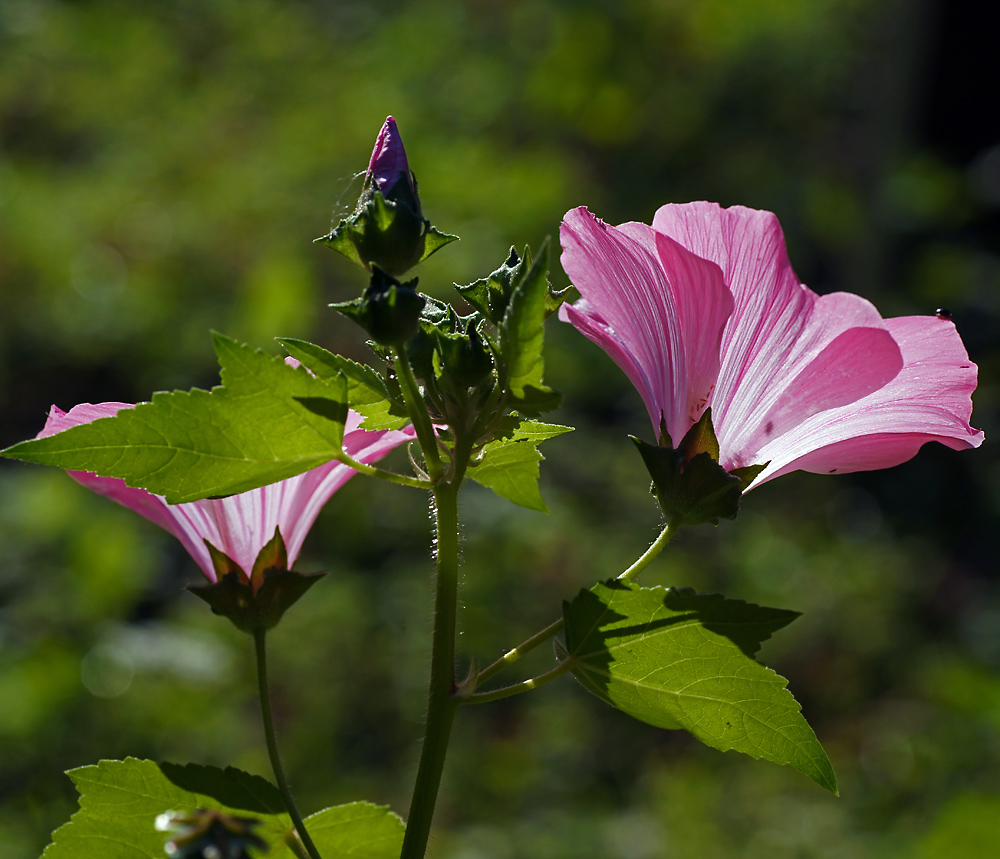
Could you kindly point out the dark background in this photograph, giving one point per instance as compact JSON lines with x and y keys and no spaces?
{"x":163,"y":168}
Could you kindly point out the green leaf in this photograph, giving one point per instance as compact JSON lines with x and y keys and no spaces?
{"x":367,"y":392}
{"x":265,"y":422}
{"x":509,"y":465}
{"x":490,"y":295}
{"x":358,"y":830}
{"x":677,"y":659}
{"x":523,"y":328}
{"x":120,"y":801}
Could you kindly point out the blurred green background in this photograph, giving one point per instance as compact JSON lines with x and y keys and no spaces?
{"x":163,"y":169}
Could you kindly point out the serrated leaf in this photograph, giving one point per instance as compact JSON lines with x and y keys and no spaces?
{"x":265,"y":422}
{"x":120,"y":800}
{"x":490,"y":295}
{"x":367,"y":392}
{"x":558,"y":297}
{"x":358,"y":830}
{"x":522,"y":331}
{"x":509,"y":465}
{"x":676,"y":659}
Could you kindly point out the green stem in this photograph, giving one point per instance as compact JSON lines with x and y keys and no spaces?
{"x":666,"y":535}
{"x":442,"y":701}
{"x":523,"y":686}
{"x":511,"y":656}
{"x":382,"y":474}
{"x":418,"y":414}
{"x":259,"y":636}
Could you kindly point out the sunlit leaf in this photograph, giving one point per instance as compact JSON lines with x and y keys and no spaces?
{"x":120,"y":801}
{"x":367,"y":392}
{"x":265,"y":422}
{"x":677,"y":659}
{"x":509,"y":466}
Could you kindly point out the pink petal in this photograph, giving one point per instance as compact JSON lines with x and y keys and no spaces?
{"x":771,"y":306}
{"x":388,"y":161}
{"x":929,"y":400}
{"x":239,"y":525}
{"x":843,"y":352}
{"x":658,"y":310}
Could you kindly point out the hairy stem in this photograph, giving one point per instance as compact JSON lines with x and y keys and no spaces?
{"x":259,"y":637}
{"x":647,"y":557}
{"x":442,"y":701}
{"x":418,"y":414}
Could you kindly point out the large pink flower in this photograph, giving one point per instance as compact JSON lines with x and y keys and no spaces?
{"x":241,"y":525}
{"x":702,"y":309}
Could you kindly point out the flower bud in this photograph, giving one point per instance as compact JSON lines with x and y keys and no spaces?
{"x":388,"y":162}
{"x":388,"y":310}
{"x":387,"y":229}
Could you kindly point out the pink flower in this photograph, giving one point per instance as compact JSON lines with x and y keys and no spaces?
{"x":241,"y":525}
{"x":702,"y":309}
{"x":388,"y":161}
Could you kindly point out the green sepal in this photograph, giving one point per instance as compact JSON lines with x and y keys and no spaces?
{"x":388,"y":310}
{"x":688,"y":482}
{"x":681,"y":660}
{"x":747,"y":474}
{"x":700,"y":438}
{"x":387,"y":231}
{"x":260,"y":600}
{"x":376,"y":399}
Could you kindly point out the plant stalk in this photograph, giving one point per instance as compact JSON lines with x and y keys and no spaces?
{"x":259,"y":637}
{"x":381,"y":473}
{"x":418,"y":414}
{"x":442,"y":701}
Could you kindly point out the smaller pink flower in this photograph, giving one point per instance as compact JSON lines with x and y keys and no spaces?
{"x":703,"y":310}
{"x":241,"y":525}
{"x":388,"y":161}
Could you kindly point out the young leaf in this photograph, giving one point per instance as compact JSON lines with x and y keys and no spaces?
{"x":676,"y":659}
{"x":522,"y":330}
{"x":509,"y":466}
{"x":367,"y":392}
{"x":265,"y":422}
{"x":120,"y":801}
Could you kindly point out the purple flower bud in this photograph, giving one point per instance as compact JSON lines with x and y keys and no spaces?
{"x":388,"y":158}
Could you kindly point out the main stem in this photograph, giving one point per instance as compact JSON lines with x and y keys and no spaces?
{"x":259,"y":636}
{"x":442,"y":701}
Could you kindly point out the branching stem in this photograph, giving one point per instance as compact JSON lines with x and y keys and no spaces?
{"x":382,"y":474}
{"x":554,"y":628}
{"x":418,"y":414}
{"x":523,"y":686}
